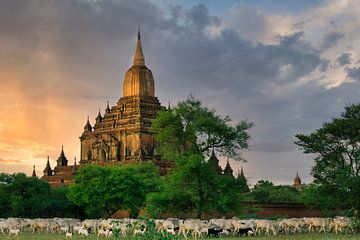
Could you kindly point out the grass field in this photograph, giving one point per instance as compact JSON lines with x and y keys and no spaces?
{"x":43,"y":236}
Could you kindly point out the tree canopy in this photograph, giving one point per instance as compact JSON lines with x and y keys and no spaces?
{"x":192,"y":127}
{"x":22,"y":196}
{"x":336,"y":147}
{"x":185,"y":134}
{"x":106,"y":189}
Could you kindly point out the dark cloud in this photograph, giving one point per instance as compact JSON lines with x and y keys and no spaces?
{"x":331,"y":40}
{"x":344,"y":59}
{"x":353,"y":73}
{"x":324,"y":65}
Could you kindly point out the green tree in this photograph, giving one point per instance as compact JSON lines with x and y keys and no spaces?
{"x":265,"y":191}
{"x":185,"y":134}
{"x":104,"y":190}
{"x":22,"y":196}
{"x":336,"y":146}
{"x":320,"y":196}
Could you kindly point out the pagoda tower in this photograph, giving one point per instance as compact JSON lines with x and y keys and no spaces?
{"x":297,"y":183}
{"x":214,"y":162}
{"x":122,"y":134}
{"x":228,"y":170}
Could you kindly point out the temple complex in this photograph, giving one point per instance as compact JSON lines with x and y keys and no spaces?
{"x":122,"y":134}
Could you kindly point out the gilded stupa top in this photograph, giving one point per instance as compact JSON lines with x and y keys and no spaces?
{"x":138,"y":80}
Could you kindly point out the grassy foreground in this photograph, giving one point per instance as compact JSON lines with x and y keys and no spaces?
{"x":43,"y":236}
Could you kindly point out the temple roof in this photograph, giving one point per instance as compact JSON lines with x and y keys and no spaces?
{"x":241,"y":173}
{"x":228,"y":170}
{"x":47,"y":170}
{"x":214,"y":162}
{"x":139,"y":55}
{"x":87,"y":127}
{"x":297,"y":179}
{"x":138,"y":80}
{"x":62,"y":161}
{"x":34,"y":172}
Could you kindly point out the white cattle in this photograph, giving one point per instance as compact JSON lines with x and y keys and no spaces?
{"x":14,"y":232}
{"x":265,"y":225}
{"x":84,"y":232}
{"x":223,"y":223}
{"x":68,"y":235}
{"x":340,"y":223}
{"x":320,"y":223}
{"x":165,"y":225}
{"x":242,"y":224}
{"x":193,"y":226}
{"x":40,"y":224}
{"x":101,"y":232}
{"x":293,"y":224}
{"x":90,"y":223}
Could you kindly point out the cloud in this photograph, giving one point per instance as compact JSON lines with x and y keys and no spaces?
{"x":344,"y":59}
{"x":331,"y":40}
{"x":353,"y":73}
{"x":9,"y":161}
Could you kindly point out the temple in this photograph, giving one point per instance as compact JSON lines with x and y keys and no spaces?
{"x":122,"y":134}
{"x":297,"y":183}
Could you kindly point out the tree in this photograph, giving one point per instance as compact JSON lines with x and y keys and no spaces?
{"x":265,"y":191}
{"x":22,"y":196}
{"x":61,"y":206}
{"x":185,"y":134}
{"x":336,"y":146}
{"x":107,"y":189}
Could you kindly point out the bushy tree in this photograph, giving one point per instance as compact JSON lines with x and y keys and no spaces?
{"x":185,"y":134}
{"x":104,"y":190}
{"x":336,"y":146}
{"x":265,"y":191}
{"x":22,"y":196}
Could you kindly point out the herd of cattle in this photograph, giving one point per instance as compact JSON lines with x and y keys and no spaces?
{"x":188,"y":227}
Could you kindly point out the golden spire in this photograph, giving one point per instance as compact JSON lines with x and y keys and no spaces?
{"x":139,"y":56}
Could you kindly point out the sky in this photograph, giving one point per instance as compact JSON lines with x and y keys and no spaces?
{"x":288,"y":66}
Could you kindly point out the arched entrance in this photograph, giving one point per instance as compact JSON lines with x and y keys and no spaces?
{"x":102,"y":156}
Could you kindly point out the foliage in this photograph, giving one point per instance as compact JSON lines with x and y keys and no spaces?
{"x":61,"y":206}
{"x":263,"y":183}
{"x":22,"y":196}
{"x":191,"y":127}
{"x":101,"y":190}
{"x":336,"y":146}
{"x":185,"y":134}
{"x":321,"y":197}
{"x":265,"y":191}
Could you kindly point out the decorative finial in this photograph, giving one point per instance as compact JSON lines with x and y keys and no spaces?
{"x":139,"y":56}
{"x":34,"y":172}
{"x":107,"y":110}
{"x":138,"y":35}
